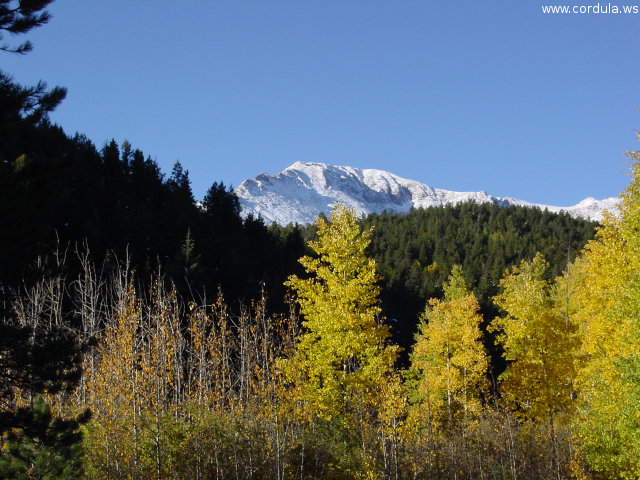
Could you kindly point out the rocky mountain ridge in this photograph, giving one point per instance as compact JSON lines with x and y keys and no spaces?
{"x":302,"y":191}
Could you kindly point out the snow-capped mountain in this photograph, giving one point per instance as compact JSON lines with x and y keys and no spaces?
{"x":300,"y":192}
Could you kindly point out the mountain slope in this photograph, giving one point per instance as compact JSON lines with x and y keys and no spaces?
{"x":302,"y":191}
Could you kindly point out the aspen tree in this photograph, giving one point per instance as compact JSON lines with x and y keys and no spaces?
{"x":541,"y":344}
{"x":538,"y":342}
{"x":198,"y":387}
{"x":115,"y":392}
{"x":160,"y":367}
{"x":342,"y":360}
{"x":608,"y":308}
{"x":343,"y":352}
{"x":449,"y":362}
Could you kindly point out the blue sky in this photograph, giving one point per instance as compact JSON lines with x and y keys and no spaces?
{"x":462,"y":95}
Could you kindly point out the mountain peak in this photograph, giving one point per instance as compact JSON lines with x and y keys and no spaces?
{"x":303,"y":190}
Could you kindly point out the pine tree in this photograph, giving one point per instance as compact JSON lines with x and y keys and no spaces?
{"x":188,"y":262}
{"x":33,"y":361}
{"x":17,"y":19}
{"x":179,"y":181}
{"x":48,"y":448}
{"x":31,"y":103}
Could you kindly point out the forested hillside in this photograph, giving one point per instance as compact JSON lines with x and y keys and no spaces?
{"x":416,"y":252}
{"x":58,"y":193}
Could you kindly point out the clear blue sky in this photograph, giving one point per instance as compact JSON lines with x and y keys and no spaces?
{"x":462,"y":95}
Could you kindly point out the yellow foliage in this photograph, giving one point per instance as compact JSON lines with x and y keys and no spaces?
{"x":342,"y":358}
{"x":540,"y":343}
{"x":608,"y":308}
{"x":449,"y":363}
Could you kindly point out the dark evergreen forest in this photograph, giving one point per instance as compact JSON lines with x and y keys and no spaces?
{"x":60,"y":193}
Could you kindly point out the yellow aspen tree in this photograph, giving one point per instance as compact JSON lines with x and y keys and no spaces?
{"x":220,"y":344}
{"x":210,"y":366}
{"x":160,"y":339}
{"x":91,"y":307}
{"x":449,"y":362}
{"x":342,"y":359}
{"x":393,"y":411}
{"x":267,"y":383}
{"x":608,"y":308}
{"x":114,"y":392}
{"x":343,"y":352}
{"x":160,"y":364}
{"x":540,"y":343}
{"x":200,"y":324}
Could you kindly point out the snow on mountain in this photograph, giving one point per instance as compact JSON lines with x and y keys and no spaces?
{"x":302,"y":191}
